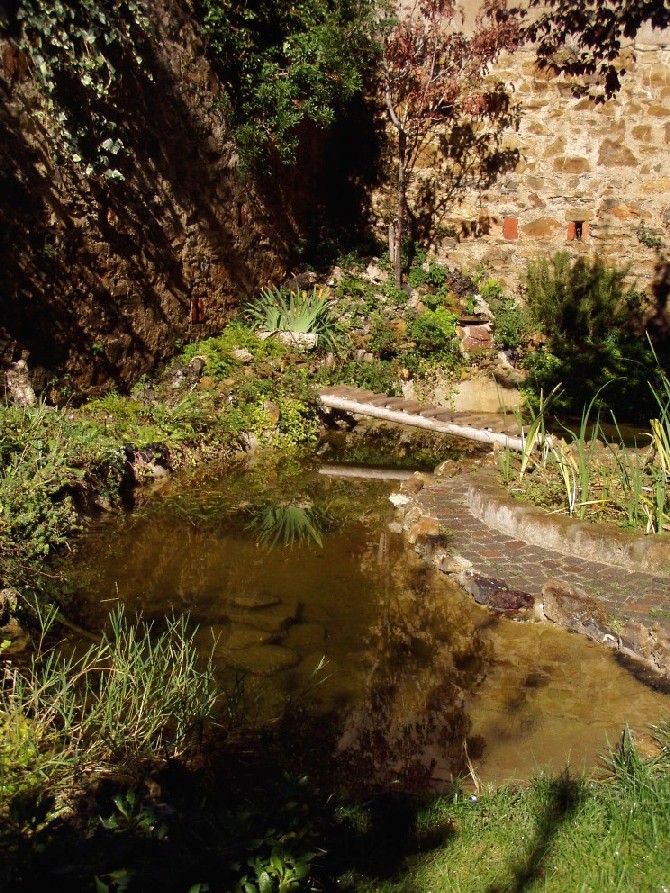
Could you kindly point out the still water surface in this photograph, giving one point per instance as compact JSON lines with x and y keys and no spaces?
{"x":419,"y":677}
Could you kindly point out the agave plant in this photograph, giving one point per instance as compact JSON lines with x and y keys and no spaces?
{"x":300,"y":312}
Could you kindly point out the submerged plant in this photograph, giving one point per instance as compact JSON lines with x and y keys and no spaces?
{"x":290,"y":525}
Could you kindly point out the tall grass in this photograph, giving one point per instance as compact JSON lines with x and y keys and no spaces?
{"x":136,"y":694}
{"x":600,"y":478}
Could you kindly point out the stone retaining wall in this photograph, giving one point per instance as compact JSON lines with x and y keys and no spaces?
{"x":578,"y":176}
{"x":490,"y":503}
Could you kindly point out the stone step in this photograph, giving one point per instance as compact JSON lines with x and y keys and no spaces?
{"x":411,"y":407}
{"x":429,"y":411}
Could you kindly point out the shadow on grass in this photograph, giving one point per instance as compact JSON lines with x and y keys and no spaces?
{"x":563,"y":796}
{"x":257,"y":812}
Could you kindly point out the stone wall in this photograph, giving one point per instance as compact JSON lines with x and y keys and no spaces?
{"x":100,"y":279}
{"x":570,"y":174}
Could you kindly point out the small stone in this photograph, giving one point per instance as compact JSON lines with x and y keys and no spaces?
{"x":273,"y":619}
{"x":454,"y":564}
{"x":510,"y":601}
{"x":272,"y":410}
{"x":242,"y":355}
{"x":256,"y":601}
{"x":425,"y":527}
{"x":412,"y":485}
{"x":571,"y":607}
{"x":197,"y":364}
{"x":247,"y":636}
{"x":264,"y":660}
{"x":19,"y":386}
{"x":398,"y":500}
{"x":9,"y":599}
{"x":481,"y":588}
{"x":636,"y":638}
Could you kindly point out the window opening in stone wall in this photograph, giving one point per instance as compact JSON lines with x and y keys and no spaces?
{"x":577,"y":231}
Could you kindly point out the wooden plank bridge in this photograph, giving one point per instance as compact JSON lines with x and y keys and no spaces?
{"x":503,"y":430}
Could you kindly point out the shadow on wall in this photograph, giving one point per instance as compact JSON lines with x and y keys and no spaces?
{"x":100,"y":277}
{"x":470,"y":155}
{"x":326,"y":196}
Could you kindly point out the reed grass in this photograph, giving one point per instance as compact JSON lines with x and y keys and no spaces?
{"x":599,"y":479}
{"x":136,"y":694}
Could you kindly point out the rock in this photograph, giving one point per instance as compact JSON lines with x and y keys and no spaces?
{"x":13,"y":633}
{"x":303,"y":341}
{"x":572,"y":608}
{"x":264,"y":660}
{"x":255,"y":601}
{"x":197,"y":364}
{"x":455,"y":564}
{"x":242,"y":355}
{"x":398,"y":500}
{"x":246,"y":637}
{"x":424,"y":527}
{"x":477,"y":337}
{"x":482,"y":393}
{"x":412,"y":485}
{"x":250,"y":442}
{"x":636,"y":639}
{"x":272,"y":410}
{"x":19,"y":385}
{"x":9,"y":599}
{"x":511,"y":602}
{"x":497,"y":596}
{"x":481,"y":588}
{"x":273,"y":619}
{"x":374,"y":272}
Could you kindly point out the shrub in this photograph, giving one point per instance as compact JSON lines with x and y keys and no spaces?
{"x":512,"y":322}
{"x":592,"y":321}
{"x":580,"y":301}
{"x":434,"y":333}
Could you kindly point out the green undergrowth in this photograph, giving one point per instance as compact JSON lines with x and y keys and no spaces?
{"x":255,"y":817}
{"x":54,"y":462}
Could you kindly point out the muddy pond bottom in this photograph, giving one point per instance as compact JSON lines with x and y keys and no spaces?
{"x":306,"y":592}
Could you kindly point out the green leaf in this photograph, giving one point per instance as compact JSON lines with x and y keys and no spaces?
{"x":264,"y":883}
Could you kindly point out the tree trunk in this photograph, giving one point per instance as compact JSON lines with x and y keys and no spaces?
{"x":402,"y":206}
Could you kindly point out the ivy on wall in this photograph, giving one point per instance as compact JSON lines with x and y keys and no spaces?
{"x":79,"y":51}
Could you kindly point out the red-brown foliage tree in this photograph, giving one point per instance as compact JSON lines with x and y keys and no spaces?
{"x":435,"y":74}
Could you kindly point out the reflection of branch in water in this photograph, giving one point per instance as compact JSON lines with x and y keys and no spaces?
{"x":411,"y":730}
{"x":289,"y":525}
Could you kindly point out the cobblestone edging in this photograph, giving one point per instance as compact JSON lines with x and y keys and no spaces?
{"x":610,"y":585}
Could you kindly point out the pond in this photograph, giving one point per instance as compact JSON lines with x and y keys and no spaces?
{"x":302,"y":584}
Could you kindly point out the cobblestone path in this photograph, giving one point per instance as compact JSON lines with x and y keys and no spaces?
{"x":625,"y":595}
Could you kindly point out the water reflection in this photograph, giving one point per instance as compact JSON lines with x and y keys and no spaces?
{"x":417,"y":679}
{"x":289,"y":525}
{"x":411,"y":727}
